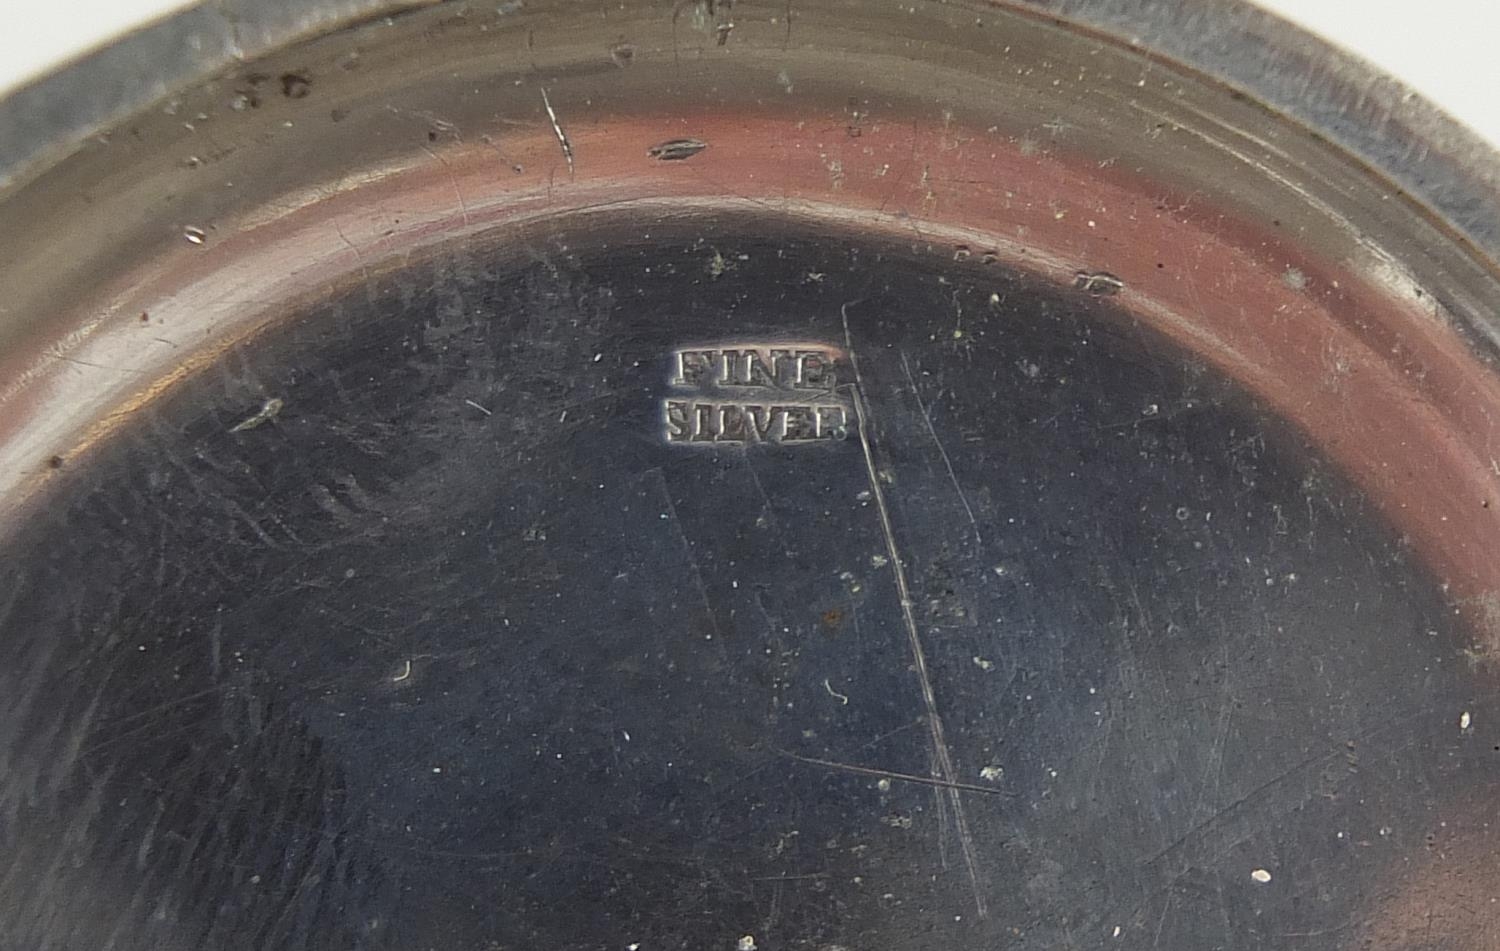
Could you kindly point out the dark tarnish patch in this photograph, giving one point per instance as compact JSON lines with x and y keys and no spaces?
{"x":622,"y":55}
{"x":295,"y":85}
{"x":676,"y":150}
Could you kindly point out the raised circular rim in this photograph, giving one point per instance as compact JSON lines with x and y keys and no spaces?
{"x":1435,"y":160}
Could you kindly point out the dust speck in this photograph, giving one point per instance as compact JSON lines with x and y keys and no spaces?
{"x":1260,"y":876}
{"x":717,"y":265}
{"x":841,"y":698}
{"x":268,"y":411}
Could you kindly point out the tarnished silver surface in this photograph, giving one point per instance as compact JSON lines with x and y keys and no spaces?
{"x":997,"y":327}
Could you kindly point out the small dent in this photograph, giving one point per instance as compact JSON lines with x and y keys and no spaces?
{"x":295,"y":85}
{"x":676,"y":150}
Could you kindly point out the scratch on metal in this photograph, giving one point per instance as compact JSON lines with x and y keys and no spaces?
{"x":943,"y":760}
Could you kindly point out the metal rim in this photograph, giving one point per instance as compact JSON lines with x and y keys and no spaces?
{"x":1437,"y":161}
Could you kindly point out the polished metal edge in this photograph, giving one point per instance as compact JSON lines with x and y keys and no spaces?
{"x":1438,"y":162}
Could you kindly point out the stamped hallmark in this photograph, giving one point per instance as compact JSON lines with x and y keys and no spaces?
{"x":746,"y":394}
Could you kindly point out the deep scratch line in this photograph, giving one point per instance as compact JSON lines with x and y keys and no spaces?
{"x":888,"y":774}
{"x":944,"y":761}
{"x":941,"y":804}
{"x":95,"y":366}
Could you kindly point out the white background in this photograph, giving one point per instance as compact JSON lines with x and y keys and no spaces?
{"x":1445,"y":49}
